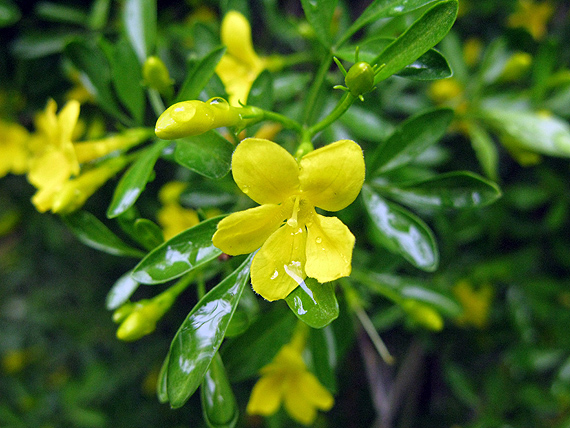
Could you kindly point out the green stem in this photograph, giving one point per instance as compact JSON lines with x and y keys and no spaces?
{"x":156,"y":102}
{"x":373,"y":335}
{"x":181,"y":285}
{"x":257,"y":114}
{"x":341,"y":108}
{"x":316,"y":87}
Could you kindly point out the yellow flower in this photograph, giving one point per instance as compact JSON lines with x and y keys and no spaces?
{"x":531,"y":16}
{"x":286,"y":379}
{"x":14,"y":149}
{"x":295,"y":241}
{"x":240,"y":65}
{"x":173,"y":217}
{"x":472,"y":49}
{"x":476,"y":303}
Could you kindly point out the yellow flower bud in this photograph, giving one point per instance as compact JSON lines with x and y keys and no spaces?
{"x":189,"y":118}
{"x":90,"y":150}
{"x":423,"y":314}
{"x":143,"y":316}
{"x":156,"y":76}
{"x":516,"y":67}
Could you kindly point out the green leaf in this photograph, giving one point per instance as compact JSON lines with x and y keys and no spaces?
{"x":382,"y":9}
{"x":431,"y":65}
{"x":33,"y":45}
{"x":219,"y":405}
{"x":201,"y":334}
{"x":91,"y":60}
{"x":179,"y":255}
{"x":456,"y":190}
{"x":123,"y":288}
{"x":324,"y":359}
{"x":366,"y":124}
{"x":410,"y":139}
{"x":99,"y":14}
{"x":145,"y":232}
{"x":94,"y":233}
{"x":536,"y":132}
{"x":199,"y":75}
{"x":208,"y":154}
{"x":61,"y":13}
{"x":485,"y":149}
{"x":261,"y":92}
{"x":245,"y":355}
{"x":9,"y":13}
{"x":161,"y":390}
{"x":134,"y":181}
{"x":139,"y":18}
{"x":401,"y":232}
{"x":423,"y":35}
{"x":319,"y":14}
{"x":127,"y":77}
{"x":288,"y":84}
{"x":314,"y":303}
{"x":494,"y":61}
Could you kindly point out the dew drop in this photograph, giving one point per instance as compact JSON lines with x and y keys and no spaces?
{"x":292,"y":222}
{"x":245,"y":189}
{"x":275,"y":274}
{"x":218,"y":102}
{"x":318,"y":239}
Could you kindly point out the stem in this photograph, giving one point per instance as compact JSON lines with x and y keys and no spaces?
{"x":373,"y":334}
{"x":316,"y":87}
{"x":156,"y":102}
{"x":181,"y":285}
{"x":341,"y":108}
{"x":284,"y":120}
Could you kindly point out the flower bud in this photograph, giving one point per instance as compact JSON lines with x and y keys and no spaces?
{"x":139,"y":323}
{"x":156,"y":76}
{"x":360,"y":78}
{"x":516,"y":67}
{"x":188,"y":118}
{"x":423,"y":314}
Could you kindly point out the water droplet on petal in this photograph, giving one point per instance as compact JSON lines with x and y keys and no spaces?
{"x":292,"y":222}
{"x":245,"y":189}
{"x":318,"y":239}
{"x":219,"y":102}
{"x":275,"y":274}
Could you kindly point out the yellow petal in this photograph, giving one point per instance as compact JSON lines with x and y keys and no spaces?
{"x":329,"y":249}
{"x":266,"y":395}
{"x":332,"y":176}
{"x":296,"y":404}
{"x":314,"y":392}
{"x":49,"y":170}
{"x":264,"y":171}
{"x":67,"y":119}
{"x":236,"y":35}
{"x":277,"y":268}
{"x":245,"y":231}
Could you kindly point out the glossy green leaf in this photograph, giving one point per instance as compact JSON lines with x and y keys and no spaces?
{"x":208,"y":154}
{"x":536,"y":132}
{"x":179,"y":255}
{"x":365,"y":124}
{"x":134,"y":181}
{"x":9,"y":13}
{"x":456,"y":190}
{"x":382,"y":9}
{"x":411,"y":138}
{"x":423,"y":35}
{"x":431,"y":65}
{"x":123,"y":288}
{"x":319,"y":14}
{"x":261,"y":92}
{"x":161,"y":390}
{"x":139,"y":19}
{"x":288,"y":84}
{"x":145,"y":232}
{"x":199,"y":75}
{"x":402,"y":232}
{"x":94,"y":233}
{"x":314,"y":303}
{"x":494,"y":61}
{"x":219,"y":405}
{"x":245,"y":355}
{"x":57,"y":12}
{"x":324,"y":359}
{"x":245,"y":314}
{"x":201,"y":334}
{"x":90,"y":59}
{"x":485,"y":149}
{"x":127,"y":77}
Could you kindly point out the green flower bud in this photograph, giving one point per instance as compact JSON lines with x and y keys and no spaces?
{"x":139,"y":323}
{"x":360,"y":78}
{"x":156,"y":76}
{"x":423,"y":314}
{"x":189,"y":118}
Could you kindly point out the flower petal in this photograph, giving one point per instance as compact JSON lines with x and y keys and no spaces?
{"x":329,"y":249}
{"x":297,"y":405}
{"x":235,"y":33}
{"x":332,"y":176}
{"x":315,"y":393}
{"x":245,"y":231}
{"x":266,"y":395}
{"x":264,"y":171}
{"x":277,"y":268}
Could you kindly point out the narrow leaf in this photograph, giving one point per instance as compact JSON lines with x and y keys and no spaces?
{"x":324,"y":356}
{"x":208,"y":154}
{"x":319,"y":14}
{"x":261,"y":92}
{"x":219,"y":405}
{"x":199,"y":75}
{"x":139,"y":18}
{"x":201,"y":334}
{"x":9,"y":13}
{"x":410,"y":139}
{"x":134,"y":181}
{"x":123,"y":288}
{"x":179,"y":255}
{"x":423,"y":35}
{"x":313,"y":303}
{"x":485,"y":150}
{"x":94,"y":233}
{"x":402,"y":232}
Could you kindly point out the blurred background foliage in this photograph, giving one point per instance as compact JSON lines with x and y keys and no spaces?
{"x":504,"y":362}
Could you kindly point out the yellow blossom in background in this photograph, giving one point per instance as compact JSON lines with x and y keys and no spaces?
{"x":240,"y":65}
{"x":173,"y":217}
{"x":79,"y":92}
{"x":14,"y":148}
{"x":476,"y":303}
{"x":531,"y":16}
{"x":286,"y":380}
{"x":472,"y":49}
{"x":295,"y":241}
